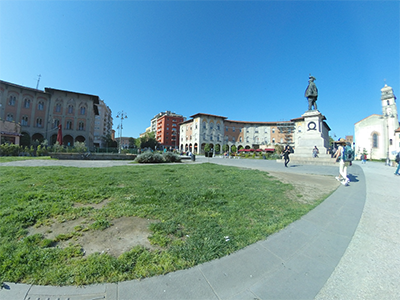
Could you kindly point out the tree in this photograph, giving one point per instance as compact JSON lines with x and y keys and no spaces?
{"x":217,"y":148}
{"x":132,"y":142}
{"x":109,"y":142}
{"x":147,"y":141}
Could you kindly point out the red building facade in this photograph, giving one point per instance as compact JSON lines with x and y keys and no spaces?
{"x":168,"y":130}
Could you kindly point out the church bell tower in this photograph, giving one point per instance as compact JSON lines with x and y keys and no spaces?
{"x":390,"y":114}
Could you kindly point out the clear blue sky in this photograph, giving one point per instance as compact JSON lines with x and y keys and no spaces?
{"x":245,"y":60}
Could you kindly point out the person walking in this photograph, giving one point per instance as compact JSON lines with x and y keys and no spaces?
{"x":364,"y":158}
{"x":397,"y":159}
{"x":286,"y":153}
{"x":342,"y":178}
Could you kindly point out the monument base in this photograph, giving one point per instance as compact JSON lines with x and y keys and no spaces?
{"x":316,"y":133}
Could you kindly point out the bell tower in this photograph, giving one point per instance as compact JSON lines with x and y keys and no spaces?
{"x":389,"y":102}
{"x":391,"y":118}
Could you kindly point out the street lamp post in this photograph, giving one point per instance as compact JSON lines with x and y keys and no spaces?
{"x":387,"y":140}
{"x":122,"y":115}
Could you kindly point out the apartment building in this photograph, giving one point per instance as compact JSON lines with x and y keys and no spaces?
{"x":214,"y":130}
{"x":166,"y":126}
{"x":102,"y":124}
{"x":40,"y":112}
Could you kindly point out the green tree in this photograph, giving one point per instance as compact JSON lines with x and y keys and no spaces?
{"x":148,"y":141}
{"x":217,"y":148}
{"x":132,"y":142}
{"x":109,"y":142}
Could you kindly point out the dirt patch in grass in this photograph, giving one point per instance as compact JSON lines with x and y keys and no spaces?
{"x":128,"y":232}
{"x":123,"y":234}
{"x":311,"y":187}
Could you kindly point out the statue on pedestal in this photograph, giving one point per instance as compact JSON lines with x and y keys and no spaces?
{"x":311,"y":93}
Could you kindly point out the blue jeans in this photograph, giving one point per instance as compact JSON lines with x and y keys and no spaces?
{"x":397,"y":170}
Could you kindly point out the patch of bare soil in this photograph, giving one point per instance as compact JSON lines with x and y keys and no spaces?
{"x":128,"y":232}
{"x":124,"y":234}
{"x":311,"y":187}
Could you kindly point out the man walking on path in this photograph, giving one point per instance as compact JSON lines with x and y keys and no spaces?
{"x":286,"y":153}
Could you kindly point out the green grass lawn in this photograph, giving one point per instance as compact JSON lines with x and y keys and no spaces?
{"x":204,"y":212}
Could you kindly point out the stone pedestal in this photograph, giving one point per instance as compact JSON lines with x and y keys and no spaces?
{"x":315,"y":133}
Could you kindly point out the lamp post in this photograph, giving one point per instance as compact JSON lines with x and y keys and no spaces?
{"x":122,"y":115}
{"x":387,"y":139}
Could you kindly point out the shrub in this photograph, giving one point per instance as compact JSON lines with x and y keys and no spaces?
{"x":150,"y":157}
{"x":171,"y":157}
{"x":9,"y":150}
{"x":80,"y":147}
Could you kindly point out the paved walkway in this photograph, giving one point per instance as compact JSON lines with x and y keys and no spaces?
{"x":346,"y":248}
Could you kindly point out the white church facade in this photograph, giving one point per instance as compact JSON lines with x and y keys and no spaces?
{"x":378,"y":136}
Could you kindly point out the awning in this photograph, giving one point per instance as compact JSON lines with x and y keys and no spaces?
{"x":10,"y":133}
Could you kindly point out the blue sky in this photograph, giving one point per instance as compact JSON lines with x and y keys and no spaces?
{"x":245,"y":60}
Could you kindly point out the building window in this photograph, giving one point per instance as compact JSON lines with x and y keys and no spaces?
{"x":69,"y":125}
{"x":273,"y":131}
{"x":204,"y":125}
{"x":211,"y":125}
{"x":83,"y":110}
{"x":375,"y":140}
{"x":58,"y":107}
{"x":226,"y":128}
{"x":10,"y":117}
{"x":27,"y":103}
{"x":256,"y":130}
{"x":391,"y":142}
{"x":40,"y":105}
{"x":273,"y":141}
{"x":233,"y":139}
{"x":218,"y":127}
{"x":81,"y":126}
{"x":204,"y":136}
{"x":240,"y":139}
{"x":233,"y":129}
{"x":24,"y":121}
{"x":39,"y":122}
{"x":70,"y":109}
{"x":12,"y":100}
{"x":56,"y":122}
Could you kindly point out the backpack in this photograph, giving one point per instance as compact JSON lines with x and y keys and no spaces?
{"x":397,"y":159}
{"x":348,"y":154}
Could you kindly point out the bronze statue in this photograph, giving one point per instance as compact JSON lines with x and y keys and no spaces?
{"x":311,"y":93}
